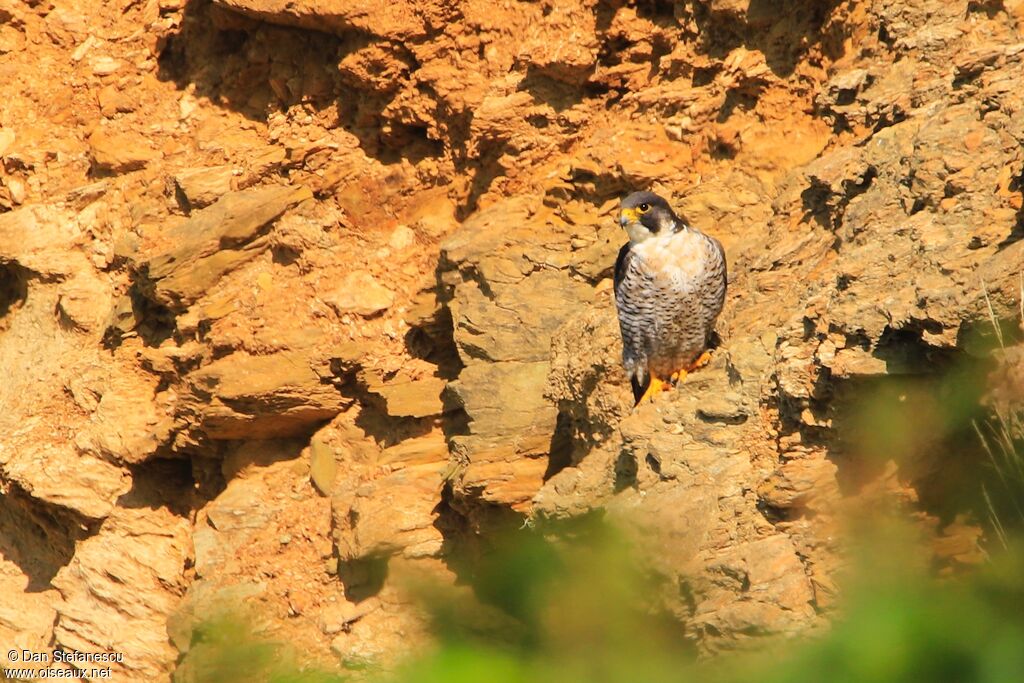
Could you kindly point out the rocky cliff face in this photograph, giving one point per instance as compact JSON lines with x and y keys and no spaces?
{"x":295,"y":295}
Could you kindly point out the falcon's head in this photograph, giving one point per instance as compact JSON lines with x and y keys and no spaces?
{"x":645,"y":214}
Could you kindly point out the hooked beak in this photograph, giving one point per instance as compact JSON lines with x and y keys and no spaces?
{"x":627,"y":216}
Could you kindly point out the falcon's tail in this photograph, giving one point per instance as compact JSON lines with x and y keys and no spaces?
{"x":638,"y":388}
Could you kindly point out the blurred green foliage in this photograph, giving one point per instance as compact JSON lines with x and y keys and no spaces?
{"x":900,"y":624}
{"x":575,"y":603}
{"x":555,"y":609}
{"x":1002,"y":436}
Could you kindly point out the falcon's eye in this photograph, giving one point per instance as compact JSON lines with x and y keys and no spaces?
{"x":644,"y":207}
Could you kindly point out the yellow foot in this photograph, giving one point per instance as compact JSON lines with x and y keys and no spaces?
{"x":702,"y":360}
{"x":655,"y":387}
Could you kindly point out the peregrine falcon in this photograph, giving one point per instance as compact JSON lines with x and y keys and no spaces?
{"x":670,"y":282}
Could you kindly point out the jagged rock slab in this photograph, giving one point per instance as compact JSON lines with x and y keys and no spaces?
{"x":201,"y":187}
{"x":51,"y":241}
{"x":394,"y":514}
{"x":398,"y":20}
{"x":120,"y":152}
{"x":756,"y":587}
{"x":513,"y":273}
{"x":360,"y":293}
{"x":120,"y":587}
{"x":510,"y":430}
{"x":42,"y":239}
{"x":512,"y":321}
{"x":406,"y":396}
{"x":127,"y":422}
{"x":27,"y":611}
{"x":213,"y":242}
{"x":387,"y":505}
{"x":84,"y":302}
{"x":260,"y":397}
{"x":58,"y":475}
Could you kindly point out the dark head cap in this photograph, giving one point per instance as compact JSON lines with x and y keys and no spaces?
{"x":638,"y":200}
{"x":644,"y":214}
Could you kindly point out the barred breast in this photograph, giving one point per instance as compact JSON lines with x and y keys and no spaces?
{"x":669,"y":292}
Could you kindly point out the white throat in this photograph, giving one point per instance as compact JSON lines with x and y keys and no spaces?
{"x":638,"y":232}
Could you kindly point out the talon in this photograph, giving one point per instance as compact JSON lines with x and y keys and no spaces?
{"x":653,"y":389}
{"x":702,"y":360}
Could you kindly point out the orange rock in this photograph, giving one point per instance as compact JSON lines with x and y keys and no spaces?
{"x":119,"y":153}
